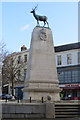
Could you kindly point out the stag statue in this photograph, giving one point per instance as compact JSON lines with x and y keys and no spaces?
{"x":39,"y":18}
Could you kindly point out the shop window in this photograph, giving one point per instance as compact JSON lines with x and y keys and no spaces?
{"x":74,"y":93}
{"x":59,"y":60}
{"x":69,"y":59}
{"x":25,"y":58}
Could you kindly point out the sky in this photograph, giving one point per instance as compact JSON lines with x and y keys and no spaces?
{"x":18,"y":23}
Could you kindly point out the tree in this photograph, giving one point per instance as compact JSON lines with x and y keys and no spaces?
{"x":3,"y":54}
{"x":3,"y":51}
{"x":12,"y":70}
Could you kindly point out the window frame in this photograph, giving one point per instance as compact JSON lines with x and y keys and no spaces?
{"x":19,"y":59}
{"x":25,"y":58}
{"x":69,"y":58}
{"x":78,"y":57}
{"x":59,"y":60}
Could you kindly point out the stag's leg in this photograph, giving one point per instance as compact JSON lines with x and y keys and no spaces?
{"x":44,"y":23}
{"x":37,"y":22}
{"x":47,"y":24}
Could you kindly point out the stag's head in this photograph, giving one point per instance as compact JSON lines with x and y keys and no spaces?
{"x":33,"y":10}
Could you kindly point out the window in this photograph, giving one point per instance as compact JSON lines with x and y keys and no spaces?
{"x":25,"y":70}
{"x":61,"y":77}
{"x":18,"y":74}
{"x":78,"y":75}
{"x":59,"y":60}
{"x":78,"y":57}
{"x":67,"y":76}
{"x":69,"y":59}
{"x":64,"y":76}
{"x":19,"y":59}
{"x":25,"y":58}
{"x":75,"y":76}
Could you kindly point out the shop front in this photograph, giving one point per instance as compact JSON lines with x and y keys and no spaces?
{"x":70,"y":91}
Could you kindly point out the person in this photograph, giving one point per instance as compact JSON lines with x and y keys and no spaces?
{"x":61,"y":96}
{"x":69,"y":96}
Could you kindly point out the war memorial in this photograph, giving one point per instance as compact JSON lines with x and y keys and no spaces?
{"x":41,"y":88}
{"x":41,"y":73}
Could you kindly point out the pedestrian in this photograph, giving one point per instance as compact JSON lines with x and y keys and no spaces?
{"x":61,"y":96}
{"x":69,"y":96}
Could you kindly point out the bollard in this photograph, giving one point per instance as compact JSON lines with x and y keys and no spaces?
{"x":18,"y":99}
{"x":30,"y":99}
{"x":42,"y":99}
{"x":6,"y":99}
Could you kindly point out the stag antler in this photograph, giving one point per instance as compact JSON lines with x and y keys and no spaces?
{"x":36,"y":7}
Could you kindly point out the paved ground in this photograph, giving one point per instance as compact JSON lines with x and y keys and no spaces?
{"x":46,"y":119}
{"x":9,"y":101}
{"x":67,"y":119}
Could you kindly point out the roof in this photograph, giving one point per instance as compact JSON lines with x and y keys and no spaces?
{"x":67,"y":47}
{"x":15,"y":53}
{"x":56,"y":48}
{"x":18,"y":53}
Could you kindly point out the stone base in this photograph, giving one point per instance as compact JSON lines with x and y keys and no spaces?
{"x":37,"y":94}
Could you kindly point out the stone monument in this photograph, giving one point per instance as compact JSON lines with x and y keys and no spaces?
{"x":41,"y":78}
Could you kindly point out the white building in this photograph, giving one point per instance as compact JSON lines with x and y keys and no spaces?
{"x":68,"y":68}
{"x":14,"y":71}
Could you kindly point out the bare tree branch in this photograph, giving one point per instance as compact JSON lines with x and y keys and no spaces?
{"x":12,"y":71}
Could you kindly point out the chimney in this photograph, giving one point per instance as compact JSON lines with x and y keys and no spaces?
{"x":23,"y":48}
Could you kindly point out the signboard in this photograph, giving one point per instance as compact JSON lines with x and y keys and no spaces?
{"x":69,"y":85}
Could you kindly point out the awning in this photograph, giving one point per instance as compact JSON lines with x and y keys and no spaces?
{"x":5,"y":85}
{"x":18,"y":87}
{"x":71,"y":88}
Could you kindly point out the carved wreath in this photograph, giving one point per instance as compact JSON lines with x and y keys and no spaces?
{"x":43,"y":35}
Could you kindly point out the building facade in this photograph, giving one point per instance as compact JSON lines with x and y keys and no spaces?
{"x":68,"y":70}
{"x":14,"y":72}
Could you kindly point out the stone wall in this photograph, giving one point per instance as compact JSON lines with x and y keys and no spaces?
{"x":27,"y":110}
{"x":40,"y":111}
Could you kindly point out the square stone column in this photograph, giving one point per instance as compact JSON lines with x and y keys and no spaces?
{"x":41,"y":78}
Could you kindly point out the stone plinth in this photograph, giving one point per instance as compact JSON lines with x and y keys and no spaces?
{"x":41,"y":78}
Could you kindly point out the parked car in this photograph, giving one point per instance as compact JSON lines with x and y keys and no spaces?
{"x":9,"y":96}
{"x":4,"y":96}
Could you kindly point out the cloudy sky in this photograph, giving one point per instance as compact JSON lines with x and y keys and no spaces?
{"x":18,"y":23}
